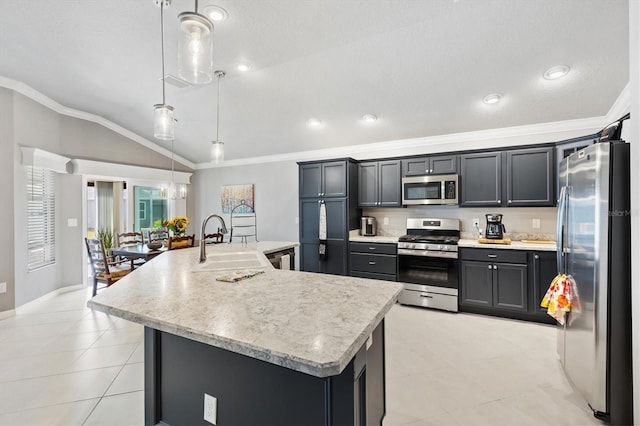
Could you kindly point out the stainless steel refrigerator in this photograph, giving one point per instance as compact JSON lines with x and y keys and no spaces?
{"x":594,"y":247}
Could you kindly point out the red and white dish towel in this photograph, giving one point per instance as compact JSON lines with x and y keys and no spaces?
{"x":562,"y":297}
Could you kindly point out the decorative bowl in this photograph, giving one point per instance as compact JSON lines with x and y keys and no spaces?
{"x":155,"y":245}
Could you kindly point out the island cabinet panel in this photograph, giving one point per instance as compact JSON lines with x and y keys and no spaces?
{"x":333,"y":184}
{"x":481,"y":179}
{"x":379,"y":184}
{"x":530,"y":177}
{"x":180,"y":371}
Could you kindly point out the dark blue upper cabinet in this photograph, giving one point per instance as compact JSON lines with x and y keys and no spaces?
{"x":439,"y":164}
{"x":530,"y":177}
{"x":379,"y":184}
{"x":481,"y":179}
{"x":323,"y":179}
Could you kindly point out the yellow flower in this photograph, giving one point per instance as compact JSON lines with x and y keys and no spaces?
{"x":177,"y":224}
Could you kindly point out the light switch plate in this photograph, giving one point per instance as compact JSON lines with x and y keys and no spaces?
{"x":535,"y":223}
{"x":210,"y":409}
{"x":72,"y":222}
{"x":385,"y":221}
{"x":476,"y":222}
{"x":3,"y":287}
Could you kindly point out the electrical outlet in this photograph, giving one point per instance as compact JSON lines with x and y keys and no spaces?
{"x":3,"y":287}
{"x":210,"y":408}
{"x":385,"y":221}
{"x":535,"y":223}
{"x":476,"y":222}
{"x":297,"y":220}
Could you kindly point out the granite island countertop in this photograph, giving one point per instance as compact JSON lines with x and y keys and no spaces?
{"x":312,"y":323}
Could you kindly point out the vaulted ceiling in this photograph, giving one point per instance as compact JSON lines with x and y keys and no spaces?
{"x":421,"y":66}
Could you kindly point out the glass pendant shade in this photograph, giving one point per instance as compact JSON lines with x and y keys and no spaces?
{"x":172,"y":191}
{"x":163,"y":123}
{"x":217,"y":151}
{"x":195,"y":48}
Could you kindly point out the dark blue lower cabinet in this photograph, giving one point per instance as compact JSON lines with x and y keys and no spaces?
{"x":180,"y":371}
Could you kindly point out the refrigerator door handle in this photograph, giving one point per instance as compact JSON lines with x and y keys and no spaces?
{"x":562,"y":206}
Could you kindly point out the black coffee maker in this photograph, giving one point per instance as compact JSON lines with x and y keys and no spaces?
{"x":495,"y":228}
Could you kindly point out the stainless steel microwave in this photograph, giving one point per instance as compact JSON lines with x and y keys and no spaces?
{"x":432,"y":189}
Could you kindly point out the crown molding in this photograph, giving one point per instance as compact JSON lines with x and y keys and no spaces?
{"x":33,"y":94}
{"x":449,"y":142}
{"x":621,"y":106}
{"x":100,"y":169}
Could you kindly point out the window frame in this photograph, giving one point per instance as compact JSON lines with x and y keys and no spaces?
{"x":41,"y":217}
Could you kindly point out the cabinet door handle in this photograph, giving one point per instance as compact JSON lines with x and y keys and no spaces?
{"x":536,"y":257}
{"x":319,"y":194}
{"x":319,"y":201}
{"x":492,"y":256}
{"x":509,"y":201}
{"x":372,"y":263}
{"x":372,"y":248}
{"x":426,"y":296}
{"x":499,"y":201}
{"x":495,"y":267}
{"x":489,"y":267}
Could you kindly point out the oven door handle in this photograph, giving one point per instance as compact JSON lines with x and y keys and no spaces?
{"x":426,"y":296}
{"x":428,"y":253}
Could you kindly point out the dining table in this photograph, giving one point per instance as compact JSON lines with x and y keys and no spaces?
{"x":138,"y":251}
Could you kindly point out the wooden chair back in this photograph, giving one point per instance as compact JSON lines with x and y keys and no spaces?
{"x":105,"y":270}
{"x":159,"y":234}
{"x":130,"y":239}
{"x":216,"y":238}
{"x":182,"y":241}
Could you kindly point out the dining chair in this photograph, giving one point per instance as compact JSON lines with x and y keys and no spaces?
{"x":105,"y":269}
{"x":158,"y":234}
{"x":128,"y":239}
{"x":182,"y":241}
{"x":216,"y":238}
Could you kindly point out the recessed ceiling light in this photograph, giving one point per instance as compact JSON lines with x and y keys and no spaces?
{"x":314,"y":122}
{"x":494,"y":98}
{"x":369,"y":118}
{"x":556,"y":72}
{"x":215,"y":13}
{"x":242,"y":67}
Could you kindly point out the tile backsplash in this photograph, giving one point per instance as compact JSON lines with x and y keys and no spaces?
{"x":518,"y":221}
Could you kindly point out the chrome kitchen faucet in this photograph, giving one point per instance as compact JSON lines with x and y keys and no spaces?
{"x":203,"y":253}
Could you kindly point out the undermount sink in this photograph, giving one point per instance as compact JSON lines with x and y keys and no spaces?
{"x":231,"y":261}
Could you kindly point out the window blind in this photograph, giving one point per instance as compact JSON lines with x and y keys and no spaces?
{"x":40,"y":217}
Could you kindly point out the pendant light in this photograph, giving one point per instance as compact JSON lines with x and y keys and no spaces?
{"x":164,"y":124}
{"x":217,"y":146}
{"x":195,"y":47}
{"x":175,"y":191}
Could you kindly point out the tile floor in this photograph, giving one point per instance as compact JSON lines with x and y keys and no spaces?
{"x":63,"y":364}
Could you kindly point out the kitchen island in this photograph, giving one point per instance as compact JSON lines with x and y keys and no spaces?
{"x":282,"y":347}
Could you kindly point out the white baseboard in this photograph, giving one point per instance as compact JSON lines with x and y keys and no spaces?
{"x":7,"y":314}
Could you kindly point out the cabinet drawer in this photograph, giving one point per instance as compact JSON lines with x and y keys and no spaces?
{"x":386,"y":277}
{"x":497,"y":255}
{"x":381,"y":264}
{"x":374,"y":248}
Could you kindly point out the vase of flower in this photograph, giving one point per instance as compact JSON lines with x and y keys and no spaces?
{"x":176,"y":225}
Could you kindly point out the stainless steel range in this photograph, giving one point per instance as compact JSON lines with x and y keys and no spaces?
{"x":428,"y":263}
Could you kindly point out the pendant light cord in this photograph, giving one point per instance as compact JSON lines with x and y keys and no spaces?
{"x":162,"y":46}
{"x":218,"y":111}
{"x":196,"y":6}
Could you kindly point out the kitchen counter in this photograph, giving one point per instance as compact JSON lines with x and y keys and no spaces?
{"x":281,"y":347}
{"x":515,"y":245}
{"x":313,"y":323}
{"x":376,"y":239}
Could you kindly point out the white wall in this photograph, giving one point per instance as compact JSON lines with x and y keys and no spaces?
{"x":7,"y":269}
{"x":275,"y":193}
{"x":25,"y":122}
{"x":634,"y":73}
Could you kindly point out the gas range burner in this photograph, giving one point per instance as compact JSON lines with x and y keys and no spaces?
{"x":432,"y":239}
